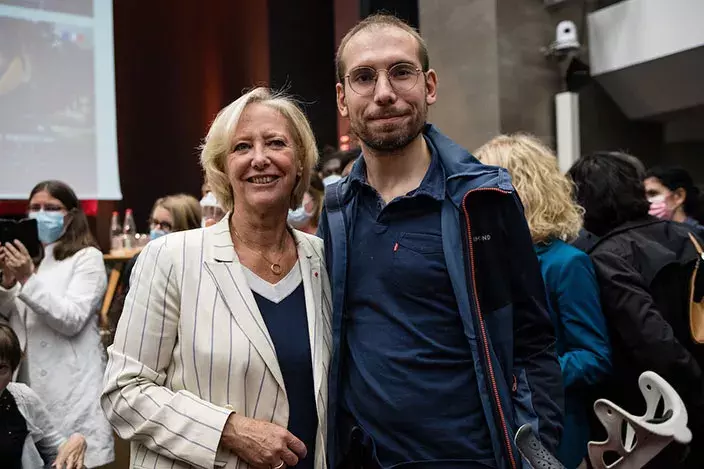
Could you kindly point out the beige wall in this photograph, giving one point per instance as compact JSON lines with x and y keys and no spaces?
{"x":466,"y":61}
{"x":493,"y":76}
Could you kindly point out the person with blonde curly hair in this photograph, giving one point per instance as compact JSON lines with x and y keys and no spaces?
{"x":221,"y":354}
{"x":554,"y":220}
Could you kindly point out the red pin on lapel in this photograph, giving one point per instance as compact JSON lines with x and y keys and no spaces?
{"x":315,"y":273}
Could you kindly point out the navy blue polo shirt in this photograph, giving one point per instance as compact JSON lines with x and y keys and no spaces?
{"x":409,"y":379}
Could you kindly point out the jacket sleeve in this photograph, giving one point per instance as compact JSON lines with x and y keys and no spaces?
{"x":47,"y":439}
{"x":175,"y":424}
{"x":68,"y":312}
{"x":587,"y":357}
{"x":539,"y":395}
{"x":649,"y":338}
{"x":8,"y":305}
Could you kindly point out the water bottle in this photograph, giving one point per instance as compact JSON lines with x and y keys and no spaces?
{"x":129,"y":230}
{"x":115,"y":232}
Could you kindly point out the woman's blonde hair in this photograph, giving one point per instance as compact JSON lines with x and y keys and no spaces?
{"x":184,"y":209}
{"x":547,"y":194}
{"x":218,"y":143}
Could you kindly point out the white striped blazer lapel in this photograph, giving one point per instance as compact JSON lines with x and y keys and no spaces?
{"x":223,"y":265}
{"x":312,"y":285}
{"x":318,"y":313}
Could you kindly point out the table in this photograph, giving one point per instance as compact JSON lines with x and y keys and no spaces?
{"x":117,"y":259}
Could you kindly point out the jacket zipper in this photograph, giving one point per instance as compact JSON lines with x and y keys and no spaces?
{"x":482,"y":328}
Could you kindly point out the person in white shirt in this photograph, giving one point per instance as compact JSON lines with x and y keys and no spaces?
{"x":28,"y":438}
{"x":52,"y":306}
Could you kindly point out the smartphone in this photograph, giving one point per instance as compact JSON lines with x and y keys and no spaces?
{"x":24,"y":230}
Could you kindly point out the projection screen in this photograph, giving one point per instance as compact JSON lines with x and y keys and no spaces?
{"x":57,"y":97}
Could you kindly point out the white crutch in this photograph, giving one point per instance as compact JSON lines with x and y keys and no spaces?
{"x":646,"y":435}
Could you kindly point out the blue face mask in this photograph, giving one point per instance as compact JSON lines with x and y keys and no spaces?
{"x":50,"y":225}
{"x":299,"y":217}
{"x":154,"y":234}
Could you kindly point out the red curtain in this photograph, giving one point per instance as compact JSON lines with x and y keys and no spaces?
{"x":19,"y":207}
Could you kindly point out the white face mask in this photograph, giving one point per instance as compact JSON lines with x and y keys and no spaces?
{"x":299,"y":218}
{"x":332,"y":179}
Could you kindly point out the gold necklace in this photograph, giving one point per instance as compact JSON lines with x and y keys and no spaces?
{"x":274,"y":266}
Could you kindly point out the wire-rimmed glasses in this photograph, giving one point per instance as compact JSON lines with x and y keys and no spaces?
{"x":402,"y":77}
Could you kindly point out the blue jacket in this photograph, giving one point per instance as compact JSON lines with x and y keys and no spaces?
{"x":582,"y":339}
{"x":499,"y":291}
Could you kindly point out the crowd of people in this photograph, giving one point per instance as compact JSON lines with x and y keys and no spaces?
{"x":404,"y":304}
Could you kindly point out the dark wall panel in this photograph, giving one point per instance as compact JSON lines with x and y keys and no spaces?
{"x":604,"y":127}
{"x":177,"y":63}
{"x":407,"y":10}
{"x":302,"y":55}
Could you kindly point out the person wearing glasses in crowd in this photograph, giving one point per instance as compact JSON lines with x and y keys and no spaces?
{"x":170,"y":214}
{"x":442,"y":341}
{"x":52,"y":306}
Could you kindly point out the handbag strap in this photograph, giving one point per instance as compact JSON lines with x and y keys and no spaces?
{"x":697,"y":246}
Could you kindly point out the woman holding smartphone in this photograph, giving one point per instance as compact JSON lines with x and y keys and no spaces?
{"x":52,"y":306}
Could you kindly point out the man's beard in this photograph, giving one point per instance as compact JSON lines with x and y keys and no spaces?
{"x":395,"y":139}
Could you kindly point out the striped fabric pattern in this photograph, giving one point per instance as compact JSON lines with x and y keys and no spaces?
{"x":191,"y":347}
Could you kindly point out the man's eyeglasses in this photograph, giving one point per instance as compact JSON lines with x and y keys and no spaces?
{"x":402,"y":77}
{"x":164,"y":225}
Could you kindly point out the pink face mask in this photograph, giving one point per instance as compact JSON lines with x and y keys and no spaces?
{"x":659,"y":208}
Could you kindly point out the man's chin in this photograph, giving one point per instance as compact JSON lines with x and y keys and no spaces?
{"x":388,"y":145}
{"x":389,"y":141}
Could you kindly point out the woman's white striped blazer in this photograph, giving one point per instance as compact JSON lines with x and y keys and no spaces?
{"x":191,"y":347}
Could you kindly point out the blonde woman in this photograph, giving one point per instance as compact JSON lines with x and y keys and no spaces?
{"x":173,"y":213}
{"x":554,"y":220}
{"x":221,"y":354}
{"x":170,"y":214}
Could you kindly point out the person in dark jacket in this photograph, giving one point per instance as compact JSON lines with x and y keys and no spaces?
{"x":554,"y":220}
{"x":644,"y":266}
{"x":586,"y":240}
{"x":673,"y":196}
{"x":442,"y":343}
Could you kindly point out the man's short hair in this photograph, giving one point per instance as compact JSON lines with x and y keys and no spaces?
{"x":379,"y":21}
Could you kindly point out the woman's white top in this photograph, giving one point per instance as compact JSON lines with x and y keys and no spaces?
{"x":43,"y":440}
{"x":274,"y":292}
{"x":55,"y":316}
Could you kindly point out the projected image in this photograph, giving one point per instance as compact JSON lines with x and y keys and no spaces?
{"x":46,"y":92}
{"x":75,"y":7}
